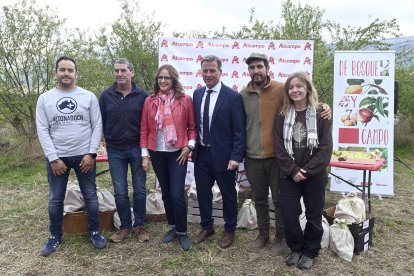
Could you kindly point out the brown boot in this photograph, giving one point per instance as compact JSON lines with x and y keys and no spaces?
{"x":141,"y":234}
{"x":120,"y":235}
{"x":262,"y":239}
{"x":204,"y":234}
{"x":280,"y":247}
{"x":227,"y":240}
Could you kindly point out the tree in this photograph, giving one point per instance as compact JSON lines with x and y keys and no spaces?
{"x":254,"y":29}
{"x":134,"y":36}
{"x":93,"y":73}
{"x":307,"y":22}
{"x":29,"y":43}
{"x":405,"y":76}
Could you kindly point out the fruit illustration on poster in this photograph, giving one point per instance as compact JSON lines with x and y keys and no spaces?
{"x":354,"y":89}
{"x":349,"y":118}
{"x":364,"y":86}
{"x":372,"y":107}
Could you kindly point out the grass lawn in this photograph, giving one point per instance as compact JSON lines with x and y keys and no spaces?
{"x":24,"y":230}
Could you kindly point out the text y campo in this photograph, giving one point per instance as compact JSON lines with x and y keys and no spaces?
{"x":374,"y":136}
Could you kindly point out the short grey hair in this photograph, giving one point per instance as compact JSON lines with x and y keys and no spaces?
{"x":125,"y":61}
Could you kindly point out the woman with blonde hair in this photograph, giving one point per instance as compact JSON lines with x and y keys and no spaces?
{"x":304,"y":148}
{"x":168,"y":135}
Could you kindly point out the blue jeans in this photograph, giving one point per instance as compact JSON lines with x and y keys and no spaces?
{"x":171,"y":176}
{"x":118,"y":167}
{"x":57,"y":192}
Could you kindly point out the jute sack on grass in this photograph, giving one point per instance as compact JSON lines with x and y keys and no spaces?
{"x":192,"y":192}
{"x":341,"y":241}
{"x":351,"y":208}
{"x":155,"y":205}
{"x":247,"y":217}
{"x":106,"y":201}
{"x":326,"y":233}
{"x":73,"y":198}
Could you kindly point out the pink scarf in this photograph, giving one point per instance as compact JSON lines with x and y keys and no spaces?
{"x":164,"y":118}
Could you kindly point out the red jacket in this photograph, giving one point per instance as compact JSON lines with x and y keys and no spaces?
{"x":183,"y":117}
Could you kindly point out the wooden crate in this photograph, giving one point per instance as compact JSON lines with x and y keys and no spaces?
{"x":193,"y":212}
{"x":76,"y":223}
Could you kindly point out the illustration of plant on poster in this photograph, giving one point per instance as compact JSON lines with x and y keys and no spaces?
{"x":363,"y":118}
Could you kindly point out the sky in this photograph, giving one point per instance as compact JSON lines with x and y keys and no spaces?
{"x":211,"y":15}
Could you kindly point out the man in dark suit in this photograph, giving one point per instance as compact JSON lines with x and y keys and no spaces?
{"x":220,"y":148}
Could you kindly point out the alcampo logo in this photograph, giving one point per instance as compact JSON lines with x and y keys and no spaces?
{"x":66,"y":105}
{"x":164,"y":43}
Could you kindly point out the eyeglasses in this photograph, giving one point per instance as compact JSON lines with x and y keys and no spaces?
{"x":160,"y":78}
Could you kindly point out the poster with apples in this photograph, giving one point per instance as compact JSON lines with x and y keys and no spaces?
{"x":363,"y":117}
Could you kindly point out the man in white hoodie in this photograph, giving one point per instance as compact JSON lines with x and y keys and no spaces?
{"x":69,"y":127}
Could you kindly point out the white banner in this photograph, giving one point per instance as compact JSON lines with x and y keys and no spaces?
{"x":285,"y":57}
{"x":363,"y":115}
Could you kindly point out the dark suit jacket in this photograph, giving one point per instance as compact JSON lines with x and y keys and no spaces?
{"x":227,"y":128}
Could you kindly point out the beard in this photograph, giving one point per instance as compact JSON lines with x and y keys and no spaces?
{"x":65,"y":83}
{"x":259,"y":81}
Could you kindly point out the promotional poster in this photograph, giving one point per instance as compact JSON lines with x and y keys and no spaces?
{"x":363,"y":118}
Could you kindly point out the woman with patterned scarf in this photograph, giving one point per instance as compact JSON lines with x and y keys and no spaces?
{"x":303,"y":150}
{"x":168,"y":135}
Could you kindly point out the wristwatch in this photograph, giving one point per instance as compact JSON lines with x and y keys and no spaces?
{"x":191,"y":148}
{"x":93,"y":155}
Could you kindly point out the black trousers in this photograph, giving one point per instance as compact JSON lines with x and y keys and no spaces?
{"x":307,"y":242}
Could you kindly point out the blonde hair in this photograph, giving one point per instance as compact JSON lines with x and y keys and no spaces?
{"x":311,"y":95}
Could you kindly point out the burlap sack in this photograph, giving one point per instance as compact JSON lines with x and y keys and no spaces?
{"x":106,"y":201}
{"x":73,"y":198}
{"x":247,"y":217}
{"x":155,"y":205}
{"x":189,"y":177}
{"x":192,"y":192}
{"x":351,"y":208}
{"x":341,"y":241}
{"x":326,"y":233}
